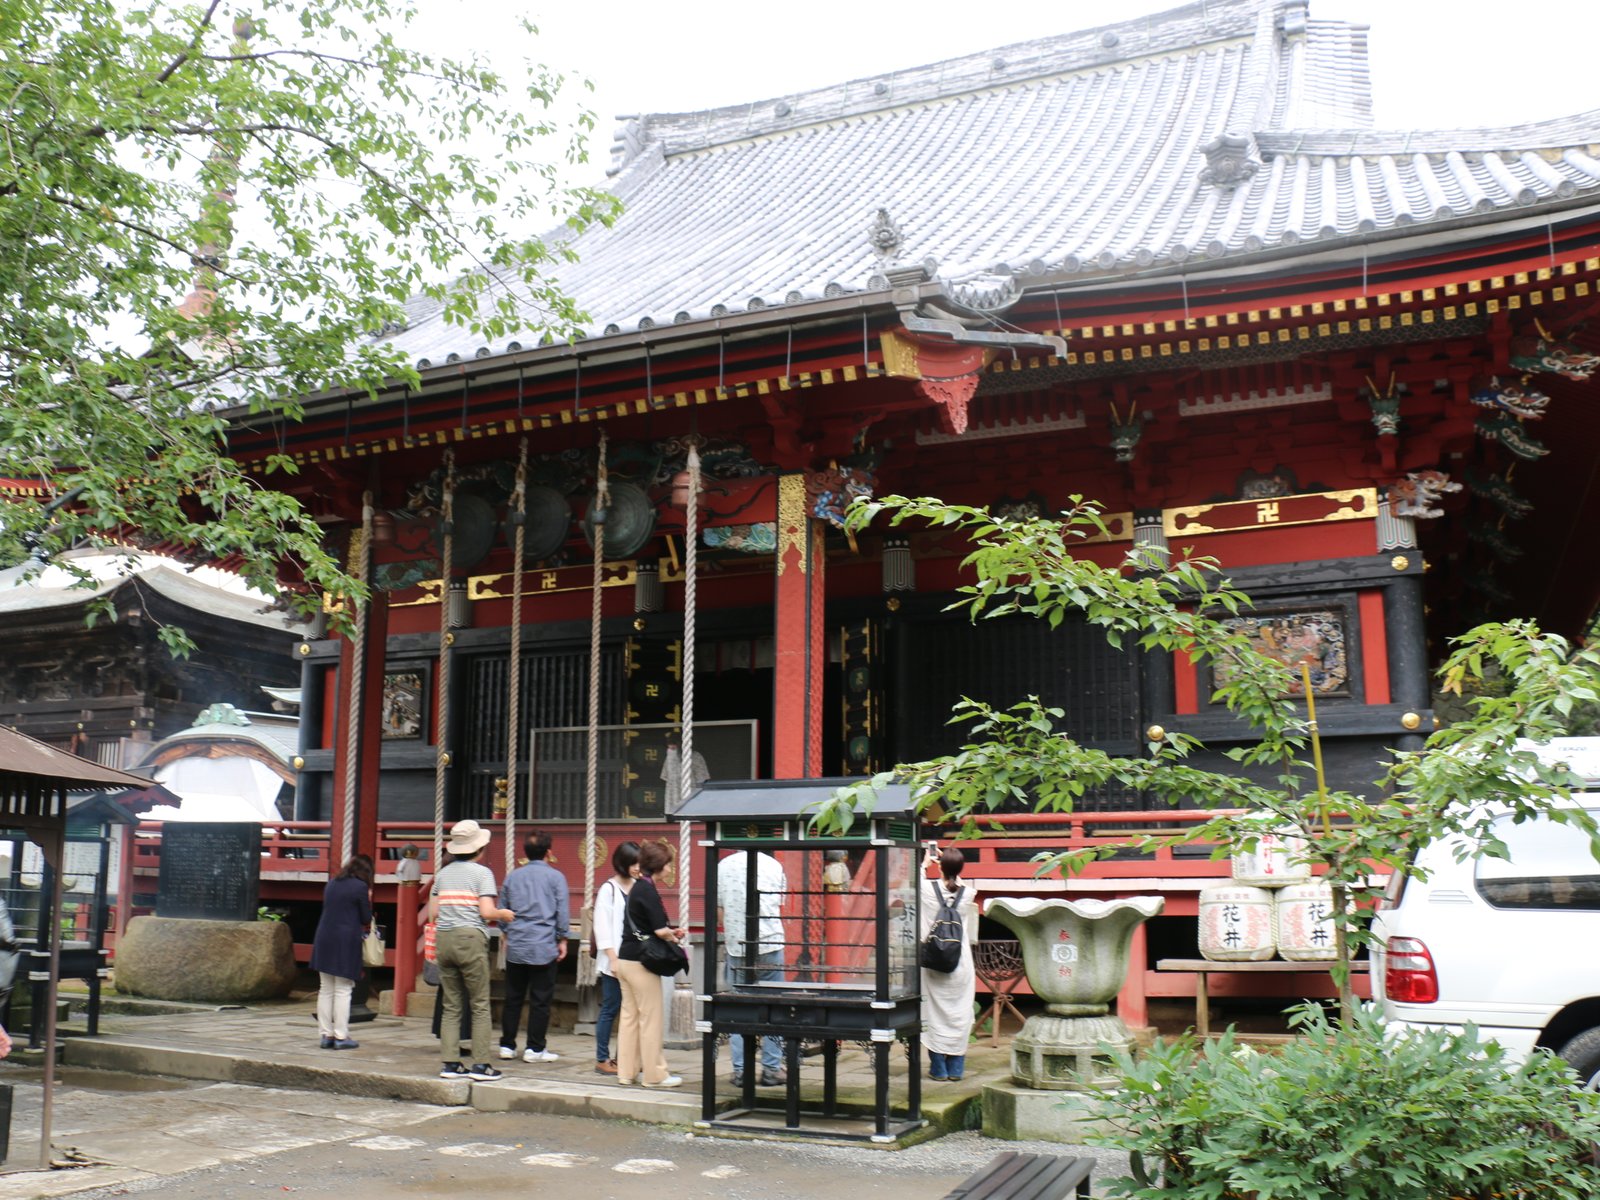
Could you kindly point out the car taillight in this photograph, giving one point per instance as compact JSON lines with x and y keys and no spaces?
{"x":1408,"y":974}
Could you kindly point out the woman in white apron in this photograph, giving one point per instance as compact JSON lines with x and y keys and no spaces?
{"x":947,"y":997}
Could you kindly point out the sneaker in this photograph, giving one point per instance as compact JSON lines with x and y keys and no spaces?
{"x":327,"y":1043}
{"x":671,"y":1081}
{"x":509,"y":1052}
{"x":738,"y":1079}
{"x":346,"y":1044}
{"x":606,"y":1068}
{"x":484,"y":1073}
{"x":454,"y":1070}
{"x":938,"y":1078}
{"x":774,"y":1078}
{"x":539,"y":1056}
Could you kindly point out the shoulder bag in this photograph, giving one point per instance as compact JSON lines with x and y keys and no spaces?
{"x":655,"y":954}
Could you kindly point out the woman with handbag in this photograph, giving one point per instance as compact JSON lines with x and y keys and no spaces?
{"x":609,"y":903}
{"x":336,"y":949}
{"x":650,"y":946}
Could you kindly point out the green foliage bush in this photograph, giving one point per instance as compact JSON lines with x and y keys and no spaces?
{"x":1352,"y":1113}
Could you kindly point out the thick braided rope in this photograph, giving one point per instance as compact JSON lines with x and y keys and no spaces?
{"x":691,"y":538}
{"x":591,"y":788}
{"x":441,"y":764}
{"x":358,"y":670}
{"x":514,"y":667}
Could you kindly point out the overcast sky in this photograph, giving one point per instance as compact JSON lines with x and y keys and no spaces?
{"x":1435,"y":64}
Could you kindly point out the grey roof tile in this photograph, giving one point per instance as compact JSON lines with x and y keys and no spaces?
{"x":1061,"y":156}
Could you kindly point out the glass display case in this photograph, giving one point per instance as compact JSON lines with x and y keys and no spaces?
{"x":813,"y":942}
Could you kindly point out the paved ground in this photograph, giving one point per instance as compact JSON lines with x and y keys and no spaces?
{"x":134,"y":1130}
{"x":276,"y":1045}
{"x":494,"y":1155}
{"x":217,"y":1099}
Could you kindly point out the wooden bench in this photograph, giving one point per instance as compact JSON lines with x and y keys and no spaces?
{"x":1202,"y":967}
{"x":1013,"y":1176}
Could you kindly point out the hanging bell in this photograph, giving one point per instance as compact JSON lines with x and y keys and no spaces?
{"x":629,"y":521}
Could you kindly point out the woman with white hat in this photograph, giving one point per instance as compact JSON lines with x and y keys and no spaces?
{"x":461,"y":907}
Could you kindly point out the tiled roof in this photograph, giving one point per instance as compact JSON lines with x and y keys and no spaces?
{"x":1098,"y":153}
{"x":54,"y":590}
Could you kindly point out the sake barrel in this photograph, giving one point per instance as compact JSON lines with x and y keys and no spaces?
{"x":1277,"y":861}
{"x":1305,"y":922}
{"x":1236,"y":923}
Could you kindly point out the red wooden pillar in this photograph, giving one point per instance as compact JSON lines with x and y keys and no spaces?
{"x":406,"y":906}
{"x":800,"y":635}
{"x":1133,"y":1005}
{"x":369,"y":734}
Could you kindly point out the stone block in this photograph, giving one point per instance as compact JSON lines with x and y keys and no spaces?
{"x":223,"y":962}
{"x":1020,"y":1114}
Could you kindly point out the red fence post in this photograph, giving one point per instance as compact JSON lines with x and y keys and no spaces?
{"x":405,"y":944}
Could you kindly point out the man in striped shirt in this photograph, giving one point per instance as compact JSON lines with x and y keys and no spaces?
{"x":461,"y":907}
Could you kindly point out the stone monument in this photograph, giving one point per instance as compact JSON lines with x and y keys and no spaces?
{"x":205,"y":942}
{"x":1076,"y":956}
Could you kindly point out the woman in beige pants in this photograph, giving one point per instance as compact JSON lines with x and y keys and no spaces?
{"x":639,"y":1049}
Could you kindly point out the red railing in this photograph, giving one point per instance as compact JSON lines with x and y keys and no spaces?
{"x":1000,"y":857}
{"x":305,"y":847}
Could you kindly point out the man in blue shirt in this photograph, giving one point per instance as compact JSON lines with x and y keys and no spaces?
{"x":536,"y":942}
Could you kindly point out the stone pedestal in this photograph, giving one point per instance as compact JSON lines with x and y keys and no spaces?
{"x":223,"y":962}
{"x":1067,"y":1054}
{"x":1020,"y":1114}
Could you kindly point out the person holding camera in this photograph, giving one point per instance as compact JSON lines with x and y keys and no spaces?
{"x":948,"y":995}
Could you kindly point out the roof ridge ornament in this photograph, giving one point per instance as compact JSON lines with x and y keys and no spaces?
{"x":1230,"y":160}
{"x":885,"y":238}
{"x":627,"y":142}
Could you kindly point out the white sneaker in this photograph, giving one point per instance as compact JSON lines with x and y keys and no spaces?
{"x":670,"y":1081}
{"x":511,"y":1052}
{"x":538,"y":1056}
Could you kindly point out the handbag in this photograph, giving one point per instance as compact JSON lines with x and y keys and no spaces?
{"x":655,"y":954}
{"x":430,"y":954}
{"x":372,"y":948}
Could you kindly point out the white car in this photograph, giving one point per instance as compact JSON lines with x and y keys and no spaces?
{"x":1509,"y":945}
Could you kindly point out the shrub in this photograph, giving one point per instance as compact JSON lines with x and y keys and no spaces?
{"x":1352,"y":1112}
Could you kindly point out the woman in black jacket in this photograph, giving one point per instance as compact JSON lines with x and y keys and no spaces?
{"x":336,"y":948}
{"x":639,"y":1047}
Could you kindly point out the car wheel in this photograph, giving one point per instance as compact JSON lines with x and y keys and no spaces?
{"x":1583,"y":1056}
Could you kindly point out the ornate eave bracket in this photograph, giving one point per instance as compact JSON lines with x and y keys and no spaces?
{"x":946,"y":359}
{"x":946,"y":374}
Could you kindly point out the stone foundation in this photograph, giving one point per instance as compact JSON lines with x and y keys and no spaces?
{"x":1020,"y":1114}
{"x":224,"y":962}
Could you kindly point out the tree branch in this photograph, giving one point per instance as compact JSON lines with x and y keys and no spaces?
{"x":134,"y":227}
{"x":172,"y":67}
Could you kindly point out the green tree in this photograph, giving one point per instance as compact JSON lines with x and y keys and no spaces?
{"x":202,"y":210}
{"x":1018,"y":755}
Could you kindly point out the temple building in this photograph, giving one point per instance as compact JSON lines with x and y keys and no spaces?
{"x":86,"y":669}
{"x":1165,"y":264}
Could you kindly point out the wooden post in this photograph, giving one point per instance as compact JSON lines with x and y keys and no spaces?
{"x":800,"y":637}
{"x":405,"y":943}
{"x":124,"y":908}
{"x":371,"y":757}
{"x":1406,"y":635}
{"x":53,"y":845}
{"x":1133,"y":1005}
{"x":369,"y":695}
